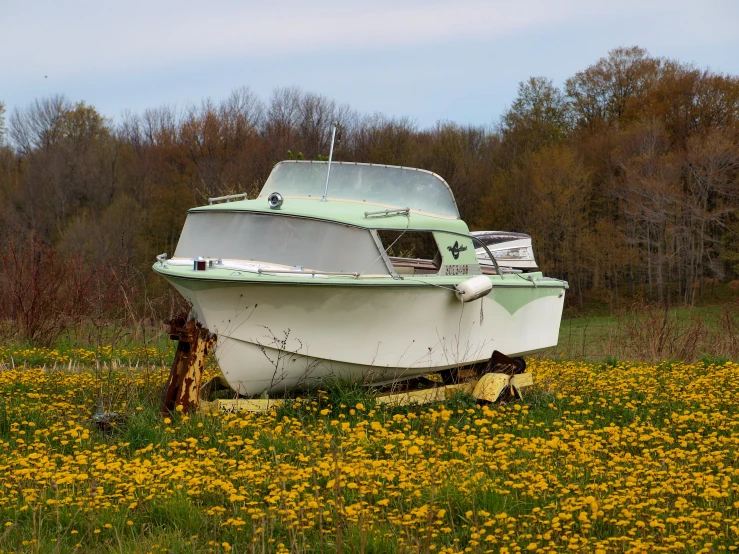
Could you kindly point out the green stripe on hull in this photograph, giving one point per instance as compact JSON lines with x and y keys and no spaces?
{"x":513,"y":299}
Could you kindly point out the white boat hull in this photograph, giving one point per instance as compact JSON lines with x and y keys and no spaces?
{"x":275,"y":337}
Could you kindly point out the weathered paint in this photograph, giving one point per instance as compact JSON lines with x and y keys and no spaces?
{"x":490,"y":386}
{"x":194,"y":343}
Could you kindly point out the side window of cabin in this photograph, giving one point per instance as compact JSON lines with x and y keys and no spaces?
{"x":277,"y":239}
{"x":411,"y":252}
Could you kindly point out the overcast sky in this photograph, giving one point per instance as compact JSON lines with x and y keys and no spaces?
{"x":430,"y":60}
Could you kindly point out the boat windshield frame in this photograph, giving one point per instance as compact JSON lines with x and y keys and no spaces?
{"x":425,"y":199}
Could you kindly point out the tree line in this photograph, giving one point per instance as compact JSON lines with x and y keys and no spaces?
{"x":627,"y":176}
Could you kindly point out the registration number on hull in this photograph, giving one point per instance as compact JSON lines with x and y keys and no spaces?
{"x":456,"y":270}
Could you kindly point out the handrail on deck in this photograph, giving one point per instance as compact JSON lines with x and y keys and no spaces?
{"x":228,"y":198}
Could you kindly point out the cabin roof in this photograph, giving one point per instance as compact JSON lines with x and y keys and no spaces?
{"x":344,"y":212}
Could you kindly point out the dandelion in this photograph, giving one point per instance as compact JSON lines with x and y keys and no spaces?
{"x":633,"y":458}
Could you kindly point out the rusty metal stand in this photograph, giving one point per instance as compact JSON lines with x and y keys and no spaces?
{"x":194,"y":343}
{"x":500,"y":363}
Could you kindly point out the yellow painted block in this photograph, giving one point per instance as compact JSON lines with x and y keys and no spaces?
{"x":467,"y":388}
{"x":240,"y":405}
{"x":522,"y":380}
{"x":490,"y":386}
{"x":423,"y":396}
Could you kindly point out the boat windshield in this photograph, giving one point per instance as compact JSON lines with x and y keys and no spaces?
{"x":397,"y":187}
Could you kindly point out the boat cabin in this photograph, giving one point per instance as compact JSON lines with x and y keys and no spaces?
{"x":368,"y":221}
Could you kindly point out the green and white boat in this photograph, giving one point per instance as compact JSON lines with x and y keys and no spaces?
{"x":299,"y":286}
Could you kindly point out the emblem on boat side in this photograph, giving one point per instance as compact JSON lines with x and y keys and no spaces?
{"x":456,"y":249}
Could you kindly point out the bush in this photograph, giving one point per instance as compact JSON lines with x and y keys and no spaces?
{"x":44,"y":293}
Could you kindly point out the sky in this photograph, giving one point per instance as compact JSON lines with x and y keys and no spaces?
{"x":429,"y":60}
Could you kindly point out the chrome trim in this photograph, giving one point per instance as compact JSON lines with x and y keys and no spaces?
{"x":226,"y":198}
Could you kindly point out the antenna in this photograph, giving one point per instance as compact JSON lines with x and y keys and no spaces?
{"x":330,"y":156}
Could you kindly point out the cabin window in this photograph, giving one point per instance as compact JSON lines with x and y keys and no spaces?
{"x":283,"y":240}
{"x":400,"y":187}
{"x":412,"y":252}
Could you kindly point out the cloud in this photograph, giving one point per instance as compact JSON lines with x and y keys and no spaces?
{"x":80,"y":37}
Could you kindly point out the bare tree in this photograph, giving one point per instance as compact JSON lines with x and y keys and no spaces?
{"x":130,"y":130}
{"x":160,"y":125}
{"x":2,"y":123}
{"x":243,"y":111}
{"x":283,"y":117}
{"x":40,"y":125}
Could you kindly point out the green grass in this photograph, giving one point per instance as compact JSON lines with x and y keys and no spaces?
{"x":613,"y":420}
{"x":628,"y":335}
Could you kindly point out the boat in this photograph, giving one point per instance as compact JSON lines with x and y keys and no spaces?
{"x":307,"y":282}
{"x":510,"y":250}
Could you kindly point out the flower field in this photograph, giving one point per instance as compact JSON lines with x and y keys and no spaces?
{"x":597,"y":458}
{"x":53,"y":357}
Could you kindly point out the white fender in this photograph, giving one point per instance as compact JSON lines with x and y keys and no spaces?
{"x":474,"y":288}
